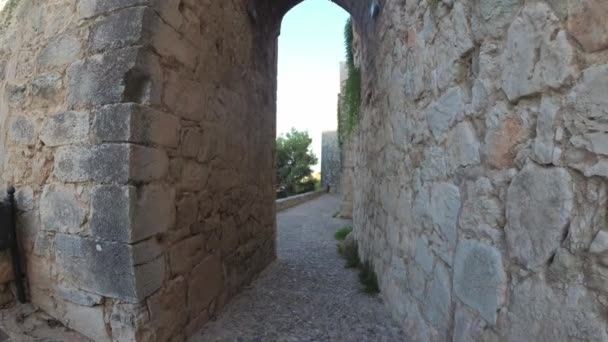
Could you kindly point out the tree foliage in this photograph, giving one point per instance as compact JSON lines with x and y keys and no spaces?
{"x":294,"y":162}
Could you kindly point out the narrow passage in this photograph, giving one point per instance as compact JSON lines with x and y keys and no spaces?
{"x":307,"y":294}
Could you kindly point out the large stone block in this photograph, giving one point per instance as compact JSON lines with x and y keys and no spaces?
{"x":22,"y":131}
{"x":544,"y":144}
{"x":128,"y":214}
{"x":90,"y":8}
{"x":120,"y":29}
{"x":135,"y":123}
{"x":167,"y":309}
{"x":186,"y":254}
{"x":463,"y":146}
{"x":586,"y":22}
{"x":61,"y":210}
{"x":539,"y":208}
{"x":443,"y":113}
{"x":206,"y":283}
{"x":108,"y":268}
{"x":479,"y":278}
{"x":110,"y":163}
{"x":538,"y":54}
{"x":185,"y":97}
{"x":65,"y":128}
{"x":541,"y":313}
{"x":60,"y":51}
{"x":589,"y":100}
{"x":126,"y":75}
{"x":444,"y":209}
{"x":439,"y":303}
{"x":46,"y":88}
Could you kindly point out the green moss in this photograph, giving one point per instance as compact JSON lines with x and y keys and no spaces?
{"x":342,"y":233}
{"x":350,"y":253}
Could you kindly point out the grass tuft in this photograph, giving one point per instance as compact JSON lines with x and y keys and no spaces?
{"x":369,"y":279}
{"x":342,"y":233}
{"x":350,"y":253}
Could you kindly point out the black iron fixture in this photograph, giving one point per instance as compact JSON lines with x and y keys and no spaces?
{"x":8,"y":240}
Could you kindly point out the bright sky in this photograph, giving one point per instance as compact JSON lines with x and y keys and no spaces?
{"x":311,"y":47}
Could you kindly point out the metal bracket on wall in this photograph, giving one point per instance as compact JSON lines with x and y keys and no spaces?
{"x":8,"y":240}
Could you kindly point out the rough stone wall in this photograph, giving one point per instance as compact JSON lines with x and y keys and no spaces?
{"x":331,"y":166}
{"x":480,"y":178}
{"x":139,"y":135}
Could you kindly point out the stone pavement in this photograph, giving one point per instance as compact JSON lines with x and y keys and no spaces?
{"x":307,"y":294}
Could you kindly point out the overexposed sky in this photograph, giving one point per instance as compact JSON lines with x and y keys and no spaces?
{"x":311,"y":46}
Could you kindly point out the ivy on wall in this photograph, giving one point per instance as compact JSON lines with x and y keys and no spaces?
{"x":350,"y":102}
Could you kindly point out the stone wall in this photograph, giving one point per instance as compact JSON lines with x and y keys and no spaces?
{"x":331,"y":166}
{"x":480,"y":176}
{"x":140,"y":135}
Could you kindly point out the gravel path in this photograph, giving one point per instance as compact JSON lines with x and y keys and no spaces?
{"x":307,"y":294}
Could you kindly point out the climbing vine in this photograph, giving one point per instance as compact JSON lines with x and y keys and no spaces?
{"x":350,"y":103}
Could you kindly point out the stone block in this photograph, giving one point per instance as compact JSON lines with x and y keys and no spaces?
{"x":148,"y":164}
{"x":91,"y":8}
{"x":590,"y":103}
{"x":135,"y":123}
{"x":555,"y":314}
{"x":167,"y":309}
{"x":194,"y":176}
{"x":444,"y":209}
{"x":443,"y":113}
{"x":65,"y":128}
{"x":586,"y":22}
{"x":192,"y":139}
{"x":171,"y":44}
{"x":78,"y":296}
{"x":125,"y":75}
{"x":47,"y":87}
{"x":184,"y":97}
{"x":186,"y":254}
{"x":110,"y":163}
{"x":22,"y":131}
{"x":423,"y":256}
{"x":600,"y":243}
{"x":118,"y":30}
{"x":101,"y":163}
{"x":60,"y":51}
{"x":545,"y":131}
{"x":88,"y":321}
{"x":187,"y":211}
{"x":463,"y":146}
{"x":128,"y":214}
{"x":439,"y":304}
{"x":479,"y":278}
{"x":61,"y":210}
{"x":537,"y":55}
{"x":206,"y":283}
{"x":108,"y":268}
{"x":539,"y":207}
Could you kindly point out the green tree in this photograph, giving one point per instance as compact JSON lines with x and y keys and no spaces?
{"x":294,"y":162}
